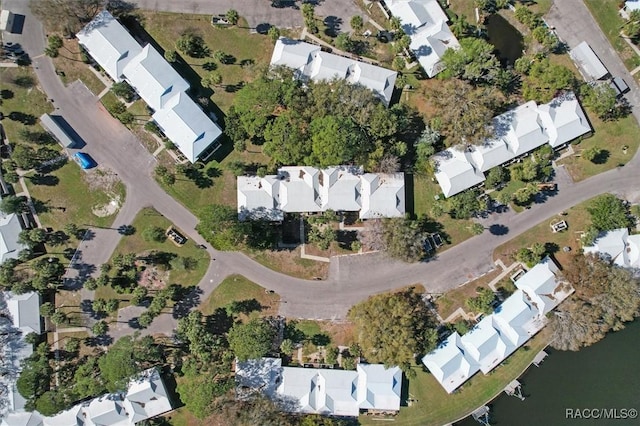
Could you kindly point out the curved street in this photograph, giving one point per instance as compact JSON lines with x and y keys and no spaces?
{"x":351,"y":278}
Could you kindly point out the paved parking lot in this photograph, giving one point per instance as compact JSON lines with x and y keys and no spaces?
{"x":258,"y":12}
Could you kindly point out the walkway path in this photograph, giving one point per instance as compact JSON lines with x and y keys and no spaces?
{"x":351,"y":278}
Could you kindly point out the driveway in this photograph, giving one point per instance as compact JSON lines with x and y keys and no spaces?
{"x":351,"y":279}
{"x":574,"y":24}
{"x":258,"y":12}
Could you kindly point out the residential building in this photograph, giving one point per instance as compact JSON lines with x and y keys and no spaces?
{"x":304,"y":189}
{"x":425,"y":23}
{"x":145,"y":398}
{"x":20,"y":316}
{"x":156,"y":81}
{"x":51,"y":125}
{"x":617,"y":247}
{"x":498,"y":335}
{"x":516,"y":133}
{"x":10,"y":228}
{"x":321,"y":391}
{"x":587,"y":62}
{"x":309,"y":62}
{"x":450,"y":363}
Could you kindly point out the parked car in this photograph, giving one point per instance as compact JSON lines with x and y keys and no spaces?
{"x":84,"y":160}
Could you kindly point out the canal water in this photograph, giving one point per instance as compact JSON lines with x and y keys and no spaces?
{"x":603,"y":376}
{"x":507,"y":40}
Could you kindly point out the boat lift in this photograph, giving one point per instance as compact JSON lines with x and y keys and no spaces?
{"x":514,"y":389}
{"x":481,"y":415}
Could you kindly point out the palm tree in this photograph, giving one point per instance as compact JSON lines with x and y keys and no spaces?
{"x":232,"y":16}
{"x":459,"y":26}
{"x":395,"y":23}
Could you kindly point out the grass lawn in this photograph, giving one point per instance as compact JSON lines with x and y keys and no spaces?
{"x":109,"y":100}
{"x":166,"y":28}
{"x":71,"y":199}
{"x":69,"y":63}
{"x":434,"y":406}
{"x":237,"y":288}
{"x":25,"y":100}
{"x":289,"y":262}
{"x":139,"y":111}
{"x":454,"y":299}
{"x":610,"y":137}
{"x":454,"y":231}
{"x":136,"y":244}
{"x":220,"y":187}
{"x":606,"y":15}
{"x":577,"y":218}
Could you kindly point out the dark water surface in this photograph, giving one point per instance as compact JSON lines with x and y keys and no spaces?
{"x":605,"y":375}
{"x":507,"y":39}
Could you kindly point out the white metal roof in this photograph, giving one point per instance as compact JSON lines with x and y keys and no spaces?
{"x":524,"y":129}
{"x":258,"y":374}
{"x":71,"y":417}
{"x":490,"y":154}
{"x":146,"y":397}
{"x":379,"y":388}
{"x":563,"y":119}
{"x":517,"y":319}
{"x":299,"y":189}
{"x":25,"y":311}
{"x":426,"y":23}
{"x":303,"y":189}
{"x":382,"y":195}
{"x":542,"y":288}
{"x":22,"y":418}
{"x":10,"y":229}
{"x":258,"y":198}
{"x":486,"y":345}
{"x":109,"y":43}
{"x":455,"y":172}
{"x":182,"y":121}
{"x":322,"y":391}
{"x":340,"y":188}
{"x":310,"y":62}
{"x":450,"y":364}
{"x":618,"y":247}
{"x":590,"y":66}
{"x":154,"y":78}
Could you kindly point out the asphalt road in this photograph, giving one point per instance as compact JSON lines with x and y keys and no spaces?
{"x":351,"y":279}
{"x":261,"y":12}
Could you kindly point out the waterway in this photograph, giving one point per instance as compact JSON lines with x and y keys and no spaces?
{"x":605,"y":375}
{"x":507,"y":40}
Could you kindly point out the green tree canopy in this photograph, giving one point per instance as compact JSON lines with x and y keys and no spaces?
{"x":391,"y":327}
{"x":608,"y":212}
{"x":251,"y":340}
{"x":463,"y":111}
{"x":605,"y":298}
{"x":474,"y":61}
{"x":334,"y":141}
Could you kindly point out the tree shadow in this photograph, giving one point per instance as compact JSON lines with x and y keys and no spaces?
{"x":232,"y":88}
{"x":6,"y":94}
{"x":602,"y":157}
{"x":332,"y":24}
{"x":551,"y":248}
{"x":41,"y":206}
{"x":94,"y":341}
{"x":44,"y":180}
{"x":219,"y":322}
{"x":320,"y":339}
{"x":21,"y":117}
{"x":187,"y":299}
{"x":263,"y":28}
{"x":497,"y":229}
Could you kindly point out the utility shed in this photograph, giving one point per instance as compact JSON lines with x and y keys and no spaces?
{"x":52,"y":126}
{"x":6,"y":20}
{"x":588,"y":62}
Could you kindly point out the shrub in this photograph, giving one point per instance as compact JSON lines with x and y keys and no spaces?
{"x":154,"y":233}
{"x":192,"y":44}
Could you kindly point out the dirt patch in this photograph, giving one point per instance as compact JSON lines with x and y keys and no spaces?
{"x":102,"y":179}
{"x":107,"y":209}
{"x":341,"y":333}
{"x":154,"y":278}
